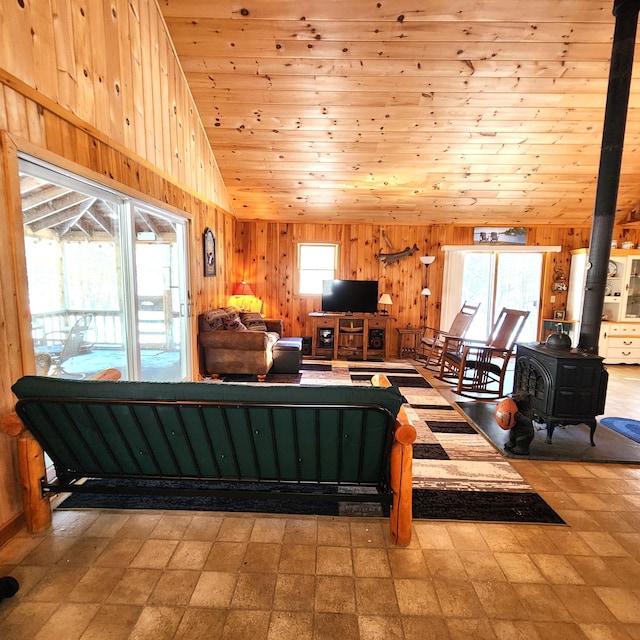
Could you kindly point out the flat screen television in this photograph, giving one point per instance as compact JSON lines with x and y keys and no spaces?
{"x":349,"y":296}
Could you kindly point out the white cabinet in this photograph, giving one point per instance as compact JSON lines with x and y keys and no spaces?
{"x":631,"y":307}
{"x":619,"y":340}
{"x":622,"y":292}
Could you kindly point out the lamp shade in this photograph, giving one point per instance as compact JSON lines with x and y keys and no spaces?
{"x":242,"y":289}
{"x":425,"y":292}
{"x":385,"y":298}
{"x":427,"y":260}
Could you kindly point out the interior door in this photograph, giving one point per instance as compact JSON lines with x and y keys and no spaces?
{"x":502,"y":279}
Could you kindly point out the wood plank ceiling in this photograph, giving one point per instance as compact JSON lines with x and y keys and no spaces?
{"x":414,"y":112}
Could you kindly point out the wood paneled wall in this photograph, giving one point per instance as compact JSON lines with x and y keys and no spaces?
{"x":266,"y":258}
{"x":95,"y":87}
{"x":111,"y":64}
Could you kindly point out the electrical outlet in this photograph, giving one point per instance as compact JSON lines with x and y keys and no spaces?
{"x":552,"y":299}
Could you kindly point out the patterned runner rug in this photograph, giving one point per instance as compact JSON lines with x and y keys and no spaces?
{"x":458,"y":474}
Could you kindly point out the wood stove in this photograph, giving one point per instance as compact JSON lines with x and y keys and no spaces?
{"x":566,"y":386}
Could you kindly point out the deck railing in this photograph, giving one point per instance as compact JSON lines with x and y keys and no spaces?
{"x":157,"y":329}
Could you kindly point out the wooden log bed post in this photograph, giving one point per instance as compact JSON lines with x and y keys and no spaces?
{"x":37,"y":507}
{"x":401,"y":520}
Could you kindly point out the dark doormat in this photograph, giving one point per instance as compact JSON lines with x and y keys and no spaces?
{"x":428,"y":504}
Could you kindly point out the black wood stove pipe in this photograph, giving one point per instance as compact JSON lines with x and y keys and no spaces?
{"x":615,"y":119}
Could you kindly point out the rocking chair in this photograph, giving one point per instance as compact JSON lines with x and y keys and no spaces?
{"x":432,"y":341}
{"x":478,"y":369}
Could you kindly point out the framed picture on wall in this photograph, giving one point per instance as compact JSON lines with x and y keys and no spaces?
{"x":499,"y":235}
{"x":209,"y":246}
{"x":559,"y":314}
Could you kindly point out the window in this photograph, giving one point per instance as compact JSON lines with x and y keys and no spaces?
{"x":316,"y":262}
{"x":107,"y":278}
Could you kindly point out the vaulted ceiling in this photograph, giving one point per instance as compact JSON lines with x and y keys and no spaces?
{"x":413,"y":112}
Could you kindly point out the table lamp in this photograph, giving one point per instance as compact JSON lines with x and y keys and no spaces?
{"x":243,"y":290}
{"x":385,"y":299}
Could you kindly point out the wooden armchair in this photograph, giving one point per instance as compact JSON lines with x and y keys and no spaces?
{"x":432,"y":341}
{"x":478,"y":368}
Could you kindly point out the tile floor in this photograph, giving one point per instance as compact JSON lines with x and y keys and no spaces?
{"x":191,"y":575}
{"x":622,"y":391}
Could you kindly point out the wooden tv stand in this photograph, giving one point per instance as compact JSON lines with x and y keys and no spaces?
{"x":359,"y":335}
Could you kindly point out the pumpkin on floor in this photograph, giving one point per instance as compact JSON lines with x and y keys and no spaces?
{"x":505,"y":414}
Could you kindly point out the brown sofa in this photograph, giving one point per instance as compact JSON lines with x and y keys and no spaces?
{"x":234,"y":342}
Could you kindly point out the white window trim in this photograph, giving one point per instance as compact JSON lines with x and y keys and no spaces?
{"x":506,"y":248}
{"x":299,"y":247}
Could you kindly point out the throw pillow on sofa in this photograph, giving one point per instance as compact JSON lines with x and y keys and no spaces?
{"x":253,"y":321}
{"x":233,"y":324}
{"x":213,"y":320}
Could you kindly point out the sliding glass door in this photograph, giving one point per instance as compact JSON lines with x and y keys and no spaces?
{"x":161,"y":312}
{"x":502,"y":279}
{"x":107,"y":279}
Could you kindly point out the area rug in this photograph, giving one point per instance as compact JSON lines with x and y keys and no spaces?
{"x":232,"y":503}
{"x":458,"y":474}
{"x":308,"y":370}
{"x":626,"y":426}
{"x":570,"y":443}
{"x":428,"y":504}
